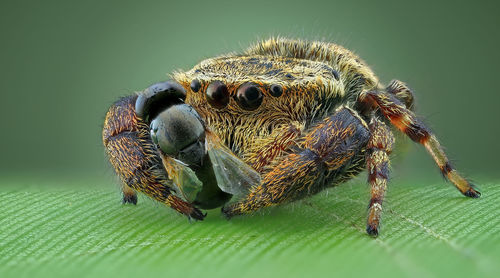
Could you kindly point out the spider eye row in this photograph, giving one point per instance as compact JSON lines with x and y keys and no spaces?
{"x":249,"y":96}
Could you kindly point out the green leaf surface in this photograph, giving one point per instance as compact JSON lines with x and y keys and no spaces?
{"x":84,"y":231}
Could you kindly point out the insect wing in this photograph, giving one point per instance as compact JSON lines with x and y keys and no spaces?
{"x":233,"y":175}
{"x":184,"y":178}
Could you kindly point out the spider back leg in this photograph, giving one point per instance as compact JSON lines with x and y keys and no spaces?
{"x":408,"y":123}
{"x":378,"y":149}
{"x":402,"y":92}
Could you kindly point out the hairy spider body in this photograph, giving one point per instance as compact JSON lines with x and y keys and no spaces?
{"x":300,"y":116}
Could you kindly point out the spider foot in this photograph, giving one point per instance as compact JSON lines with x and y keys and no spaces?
{"x":472,"y":193}
{"x":197,"y":215}
{"x":129,"y":199}
{"x":372,"y":230}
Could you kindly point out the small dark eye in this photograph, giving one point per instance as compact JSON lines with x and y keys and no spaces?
{"x":335,"y":74}
{"x":195,"y":85}
{"x":217,"y":94}
{"x":249,"y":96}
{"x":276,"y":90}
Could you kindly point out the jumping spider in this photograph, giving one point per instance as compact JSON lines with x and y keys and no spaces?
{"x":284,"y":120}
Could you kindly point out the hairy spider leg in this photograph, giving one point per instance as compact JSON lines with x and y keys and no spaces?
{"x":265,"y":150}
{"x":135,"y":160}
{"x":378,"y":149}
{"x":408,"y":123}
{"x":327,"y":150}
{"x":402,"y":92}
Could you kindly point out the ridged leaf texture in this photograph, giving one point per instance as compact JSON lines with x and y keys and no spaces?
{"x":428,"y":230}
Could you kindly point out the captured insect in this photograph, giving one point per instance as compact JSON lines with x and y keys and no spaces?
{"x":279,"y":122}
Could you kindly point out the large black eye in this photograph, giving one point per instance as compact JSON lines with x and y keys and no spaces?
{"x":249,"y":96}
{"x":217,"y":94}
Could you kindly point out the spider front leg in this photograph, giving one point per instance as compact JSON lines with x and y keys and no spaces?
{"x":135,"y":160}
{"x":377,"y":163}
{"x":407,"y":122}
{"x":129,"y":194}
{"x":324,"y":151}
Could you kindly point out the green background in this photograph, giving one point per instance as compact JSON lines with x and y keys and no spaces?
{"x":63,"y":63}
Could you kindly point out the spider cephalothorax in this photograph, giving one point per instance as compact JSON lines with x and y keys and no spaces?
{"x":283,"y":120}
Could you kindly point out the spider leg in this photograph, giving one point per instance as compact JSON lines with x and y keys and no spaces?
{"x":377,"y":163}
{"x":129,"y":194}
{"x":402,"y":92}
{"x":407,"y":122}
{"x":267,"y":149}
{"x":323,"y":152}
{"x":132,"y":155}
